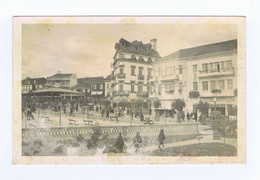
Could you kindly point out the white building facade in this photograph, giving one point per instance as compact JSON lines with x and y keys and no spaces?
{"x":200,"y":73}
{"x":132,"y":69}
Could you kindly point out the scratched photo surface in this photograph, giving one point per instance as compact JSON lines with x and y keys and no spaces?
{"x":129,"y":90}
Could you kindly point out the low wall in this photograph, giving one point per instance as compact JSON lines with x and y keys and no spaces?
{"x":64,"y":132}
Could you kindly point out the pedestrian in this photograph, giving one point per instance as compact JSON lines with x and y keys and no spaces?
{"x":141,"y":116}
{"x":137,"y":141}
{"x":188,"y":116}
{"x":183,"y":116}
{"x":119,"y":143}
{"x":196,"y":116}
{"x":161,"y":138}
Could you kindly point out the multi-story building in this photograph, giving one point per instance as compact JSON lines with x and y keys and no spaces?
{"x":132,"y":69}
{"x":33,"y":84}
{"x":62,"y":80}
{"x":199,"y":73}
{"x":95,"y":87}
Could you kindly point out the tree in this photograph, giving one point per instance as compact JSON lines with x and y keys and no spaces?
{"x":157,"y":103}
{"x":203,"y":107}
{"x":178,"y":104}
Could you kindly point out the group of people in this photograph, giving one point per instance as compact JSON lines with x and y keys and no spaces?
{"x":137,"y":141}
{"x":189,"y":116}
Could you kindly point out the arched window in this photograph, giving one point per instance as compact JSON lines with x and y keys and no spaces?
{"x":133,"y":57}
{"x":150,"y":60}
{"x":141,"y":58}
{"x":121,"y":56}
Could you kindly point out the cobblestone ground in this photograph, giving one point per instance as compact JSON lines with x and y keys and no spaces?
{"x":55,"y":119}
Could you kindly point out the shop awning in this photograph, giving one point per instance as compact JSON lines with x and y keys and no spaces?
{"x":99,"y":92}
{"x":93,"y":92}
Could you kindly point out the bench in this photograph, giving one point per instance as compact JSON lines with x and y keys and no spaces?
{"x":72,"y":122}
{"x":87,"y":122}
{"x":148,"y":121}
{"x":114,"y":117}
{"x":32,"y":125}
{"x":47,"y":119}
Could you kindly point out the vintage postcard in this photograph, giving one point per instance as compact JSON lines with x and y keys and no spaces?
{"x":129,"y":90}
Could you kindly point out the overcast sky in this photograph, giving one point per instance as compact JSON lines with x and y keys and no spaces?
{"x":88,"y":49}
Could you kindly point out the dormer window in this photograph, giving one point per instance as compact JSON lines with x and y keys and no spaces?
{"x":121,"y":56}
{"x":141,"y":58}
{"x":150,"y":60}
{"x":133,"y":57}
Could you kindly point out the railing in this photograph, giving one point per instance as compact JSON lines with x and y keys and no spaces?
{"x":142,"y":94}
{"x":120,"y":76}
{"x":149,"y":77}
{"x":217,"y":72}
{"x":64,"y":132}
{"x":121,"y":93}
{"x":140,"y":77}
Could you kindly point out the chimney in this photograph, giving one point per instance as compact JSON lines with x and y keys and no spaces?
{"x":154,"y":44}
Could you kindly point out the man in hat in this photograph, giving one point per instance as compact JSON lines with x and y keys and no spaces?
{"x":137,"y":141}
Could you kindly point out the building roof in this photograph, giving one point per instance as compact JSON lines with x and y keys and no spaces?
{"x":98,"y":79}
{"x":56,"y":90}
{"x":38,"y":80}
{"x":203,"y":50}
{"x":81,"y":85}
{"x":60,"y":76}
{"x":136,"y":47}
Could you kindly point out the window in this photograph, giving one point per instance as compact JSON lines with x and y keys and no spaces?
{"x":141,"y":58}
{"x":221,"y":84}
{"x":121,"y":70}
{"x":133,"y":57}
{"x":205,"y":67}
{"x":195,"y":77}
{"x":160,"y":89}
{"x":213,"y":85}
{"x":101,"y":86}
{"x":195,"y":86}
{"x":140,"y":71}
{"x":149,"y":72}
{"x":150,"y":60}
{"x":132,"y":86}
{"x":121,"y":56}
{"x":211,"y":66}
{"x":180,"y":69}
{"x":94,"y":86}
{"x":229,"y":64}
{"x":230,"y":84}
{"x":133,"y":70}
{"x":180,"y":86}
{"x":121,"y":86}
{"x":140,"y":87}
{"x":195,"y":68}
{"x":217,"y":68}
{"x":205,"y":85}
{"x":28,"y":82}
{"x":222,"y":65}
{"x":34,"y":81}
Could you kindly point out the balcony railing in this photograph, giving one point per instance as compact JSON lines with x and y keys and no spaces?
{"x":143,"y":94}
{"x":217,"y":72}
{"x":121,"y":75}
{"x":149,"y":77}
{"x":140,"y":77}
{"x":121,"y":93}
{"x":194,"y":94}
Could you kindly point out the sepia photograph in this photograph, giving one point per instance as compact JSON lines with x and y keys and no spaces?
{"x":129,"y":90}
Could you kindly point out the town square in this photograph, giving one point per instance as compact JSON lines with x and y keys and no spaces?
{"x":127,"y":95}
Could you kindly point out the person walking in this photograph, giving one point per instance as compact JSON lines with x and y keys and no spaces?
{"x":119,"y":143}
{"x":188,"y":116}
{"x":161,"y":138}
{"x":137,"y":141}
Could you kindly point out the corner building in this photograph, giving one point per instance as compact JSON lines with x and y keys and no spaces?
{"x":132,"y":69}
{"x":199,"y":73}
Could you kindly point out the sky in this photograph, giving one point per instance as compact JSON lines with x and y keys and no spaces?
{"x":88,"y":49}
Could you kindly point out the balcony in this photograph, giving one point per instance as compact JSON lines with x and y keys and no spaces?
{"x":121,"y":75}
{"x":149,"y":77}
{"x":169,"y":77}
{"x":140,"y":77}
{"x":216,"y":73}
{"x":194,"y":94}
{"x":121,"y":93}
{"x":142,"y":94}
